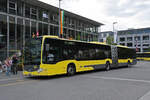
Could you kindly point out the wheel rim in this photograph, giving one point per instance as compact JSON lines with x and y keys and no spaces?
{"x":107,"y":67}
{"x":71,"y":70}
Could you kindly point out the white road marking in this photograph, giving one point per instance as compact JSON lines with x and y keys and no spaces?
{"x":16,"y":83}
{"x":146,"y":96}
{"x":8,"y":79}
{"x":121,"y":79}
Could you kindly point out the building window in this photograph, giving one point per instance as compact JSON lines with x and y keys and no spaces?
{"x":30,"y":11}
{"x":33,"y":27}
{"x":64,"y":32}
{"x":95,"y":37}
{"x":145,"y":37}
{"x":65,"y":21}
{"x":147,"y":45}
{"x":3,"y":5}
{"x":71,"y":34}
{"x":129,"y":38}
{"x":102,"y":35}
{"x":40,"y":29}
{"x":73,"y":24}
{"x":12,"y":33}
{"x":122,"y":44}
{"x":27,"y":29}
{"x":12,"y":6}
{"x":138,"y":50}
{"x":122,"y":39}
{"x":43,"y":15}
{"x":19,"y":33}
{"x":78,"y":37}
{"x":55,"y":30}
{"x":54,"y":18}
{"x":101,"y":40}
{"x":33,"y":13}
{"x":137,"y":38}
{"x":137,"y":45}
{"x":84,"y":36}
{"x":129,"y":44}
{"x":3,"y":37}
{"x":27,"y":11}
{"x":43,"y":29}
{"x":105,"y":35}
{"x":51,"y":30}
{"x":19,"y":8}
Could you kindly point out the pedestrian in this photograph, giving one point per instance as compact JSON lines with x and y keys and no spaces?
{"x":1,"y":69}
{"x":8,"y":67}
{"x":14,"y":64}
{"x":10,"y":64}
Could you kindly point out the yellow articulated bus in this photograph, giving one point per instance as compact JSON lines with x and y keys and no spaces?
{"x":143,"y":56}
{"x":50,"y":55}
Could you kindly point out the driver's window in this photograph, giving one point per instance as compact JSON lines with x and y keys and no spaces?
{"x":50,"y":53}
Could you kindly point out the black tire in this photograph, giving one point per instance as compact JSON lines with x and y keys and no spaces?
{"x":107,"y":66}
{"x":71,"y":70}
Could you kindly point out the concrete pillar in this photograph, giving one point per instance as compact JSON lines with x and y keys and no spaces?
{"x":7,"y":36}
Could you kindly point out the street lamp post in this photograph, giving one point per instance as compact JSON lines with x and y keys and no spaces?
{"x":59,"y":18}
{"x":115,"y":33}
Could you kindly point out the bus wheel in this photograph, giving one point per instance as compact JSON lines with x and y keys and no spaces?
{"x":107,"y":66}
{"x":71,"y":70}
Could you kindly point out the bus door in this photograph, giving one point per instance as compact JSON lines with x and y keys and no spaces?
{"x":114,"y":56}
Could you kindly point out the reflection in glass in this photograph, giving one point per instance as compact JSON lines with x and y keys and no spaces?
{"x":33,"y":51}
{"x":3,"y":37}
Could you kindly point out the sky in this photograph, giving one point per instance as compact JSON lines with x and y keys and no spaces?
{"x":127,"y":13}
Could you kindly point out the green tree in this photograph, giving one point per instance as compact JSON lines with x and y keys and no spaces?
{"x":110,"y":40}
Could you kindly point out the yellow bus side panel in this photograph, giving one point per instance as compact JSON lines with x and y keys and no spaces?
{"x":146,"y":58}
{"x":61,"y":67}
{"x":143,"y":58}
{"x":124,"y":60}
{"x":82,"y":64}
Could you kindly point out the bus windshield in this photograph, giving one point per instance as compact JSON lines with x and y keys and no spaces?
{"x":32,"y":53}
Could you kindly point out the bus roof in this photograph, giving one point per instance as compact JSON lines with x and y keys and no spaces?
{"x":56,"y":37}
{"x":50,"y":36}
{"x":143,"y":52}
{"x":146,"y":52}
{"x":95,"y":42}
{"x":122,"y":46}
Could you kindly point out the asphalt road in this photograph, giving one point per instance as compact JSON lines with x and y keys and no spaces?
{"x":118,"y":84}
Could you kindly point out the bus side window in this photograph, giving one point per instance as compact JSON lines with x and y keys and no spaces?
{"x":71,"y":53}
{"x":100,"y":54}
{"x":92,"y":53}
{"x":68,"y":53}
{"x":50,"y":54}
{"x":85,"y":55}
{"x":106,"y":54}
{"x":78,"y":54}
{"x":65,"y":54}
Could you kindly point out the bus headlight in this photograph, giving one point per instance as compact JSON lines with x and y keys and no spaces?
{"x":40,"y":70}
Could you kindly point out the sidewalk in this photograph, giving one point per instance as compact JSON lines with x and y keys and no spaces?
{"x":3,"y":75}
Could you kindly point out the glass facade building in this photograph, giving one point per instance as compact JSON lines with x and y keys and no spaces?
{"x":138,"y":39}
{"x":20,"y":19}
